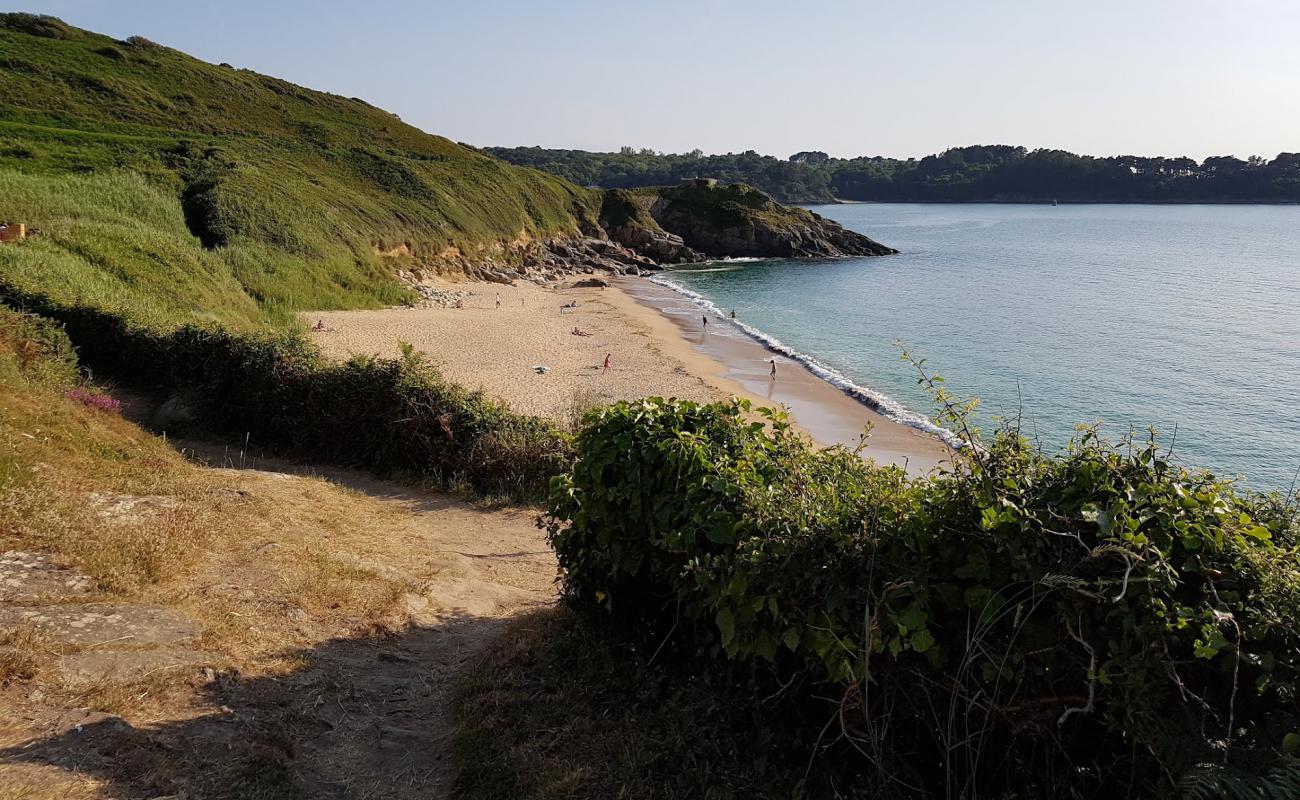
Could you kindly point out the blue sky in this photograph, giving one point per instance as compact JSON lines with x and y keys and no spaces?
{"x":911,"y":77}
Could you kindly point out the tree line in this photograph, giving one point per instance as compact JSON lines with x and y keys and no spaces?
{"x":980,"y":173}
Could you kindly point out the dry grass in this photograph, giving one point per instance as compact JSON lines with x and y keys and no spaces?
{"x":246,"y":555}
{"x":312,"y":601}
{"x":23,"y":652}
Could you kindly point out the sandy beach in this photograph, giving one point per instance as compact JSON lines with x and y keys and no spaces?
{"x":654,"y":343}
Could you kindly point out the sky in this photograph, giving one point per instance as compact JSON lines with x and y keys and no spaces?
{"x":849,"y":77}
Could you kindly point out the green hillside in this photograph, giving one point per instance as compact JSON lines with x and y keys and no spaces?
{"x":170,"y":190}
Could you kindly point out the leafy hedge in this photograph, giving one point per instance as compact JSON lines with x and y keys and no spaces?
{"x":390,"y":416}
{"x":1021,"y":625}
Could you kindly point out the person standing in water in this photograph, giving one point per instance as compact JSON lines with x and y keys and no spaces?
{"x":773,"y":372}
{"x":706,"y":321}
{"x":733,"y":313}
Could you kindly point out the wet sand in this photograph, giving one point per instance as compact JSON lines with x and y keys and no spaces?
{"x":827,"y":414}
{"x":655,"y":345}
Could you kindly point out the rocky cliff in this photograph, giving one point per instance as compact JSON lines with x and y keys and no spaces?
{"x":638,"y":230}
{"x":739,"y":220}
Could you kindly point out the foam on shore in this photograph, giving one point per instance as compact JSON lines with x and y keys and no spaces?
{"x":876,"y":401}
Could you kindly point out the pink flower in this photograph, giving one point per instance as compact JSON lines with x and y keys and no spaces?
{"x":93,"y":399}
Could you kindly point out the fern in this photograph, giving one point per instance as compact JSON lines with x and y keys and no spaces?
{"x":1224,"y":782}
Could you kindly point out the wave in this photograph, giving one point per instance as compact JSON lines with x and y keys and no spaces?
{"x":876,"y":401}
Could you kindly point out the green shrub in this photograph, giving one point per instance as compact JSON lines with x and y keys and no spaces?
{"x":46,"y":27}
{"x":389,"y":416}
{"x":1022,"y":624}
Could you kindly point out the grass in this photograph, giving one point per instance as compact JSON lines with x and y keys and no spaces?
{"x":563,"y":707}
{"x":734,"y":205}
{"x":22,"y":652}
{"x":172,"y":190}
{"x":66,"y":466}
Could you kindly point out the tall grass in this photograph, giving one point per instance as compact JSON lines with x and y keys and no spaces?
{"x":174,"y":191}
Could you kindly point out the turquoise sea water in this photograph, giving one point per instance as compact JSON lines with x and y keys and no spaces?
{"x":1184,"y":316}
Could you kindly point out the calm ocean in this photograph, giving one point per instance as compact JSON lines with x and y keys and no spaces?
{"x":1126,"y":315}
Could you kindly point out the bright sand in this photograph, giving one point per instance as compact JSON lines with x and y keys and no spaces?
{"x":651,"y":353}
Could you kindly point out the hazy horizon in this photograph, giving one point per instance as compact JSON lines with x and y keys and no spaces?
{"x":1165,"y":78}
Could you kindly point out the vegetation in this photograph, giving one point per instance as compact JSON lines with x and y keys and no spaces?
{"x":171,"y":190}
{"x":184,"y":212}
{"x":275,"y":389}
{"x":997,"y":173}
{"x":613,"y":723}
{"x":730,"y":206}
{"x":267,"y":566}
{"x":1023,"y":625}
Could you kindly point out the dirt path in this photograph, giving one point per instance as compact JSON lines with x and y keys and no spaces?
{"x":313,"y":652}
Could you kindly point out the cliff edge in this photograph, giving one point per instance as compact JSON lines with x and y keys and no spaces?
{"x":701,"y":219}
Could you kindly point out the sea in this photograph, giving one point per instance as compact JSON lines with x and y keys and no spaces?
{"x":1181,"y":318}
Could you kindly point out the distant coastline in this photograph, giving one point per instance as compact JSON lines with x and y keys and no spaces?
{"x":975,"y":174}
{"x":839,"y":201}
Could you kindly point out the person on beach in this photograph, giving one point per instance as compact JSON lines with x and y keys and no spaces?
{"x":607,"y":362}
{"x":773,"y":372}
{"x":706,"y":322}
{"x":498,"y":299}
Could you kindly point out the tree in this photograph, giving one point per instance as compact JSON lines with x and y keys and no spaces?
{"x":810,"y":157}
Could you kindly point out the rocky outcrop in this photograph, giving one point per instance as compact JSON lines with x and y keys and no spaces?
{"x":541,"y":262}
{"x":625,"y":217}
{"x":639,"y":230}
{"x":659,"y":245}
{"x":739,"y":220}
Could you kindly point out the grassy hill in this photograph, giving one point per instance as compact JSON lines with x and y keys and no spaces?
{"x":170,"y":190}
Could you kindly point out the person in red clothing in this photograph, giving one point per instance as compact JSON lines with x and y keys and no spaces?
{"x":607,"y":362}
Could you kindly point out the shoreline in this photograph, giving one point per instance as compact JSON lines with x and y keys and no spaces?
{"x":826,"y":412}
{"x":878,"y":402}
{"x":656,"y":349}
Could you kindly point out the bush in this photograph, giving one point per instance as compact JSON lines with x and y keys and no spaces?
{"x":1023,"y":624}
{"x":41,"y":25}
{"x":389,"y":416}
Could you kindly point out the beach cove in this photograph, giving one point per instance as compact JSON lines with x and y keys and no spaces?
{"x":657,"y":346}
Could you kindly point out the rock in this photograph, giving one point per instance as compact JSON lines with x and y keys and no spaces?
{"x":129,"y":507}
{"x":98,"y":665}
{"x":739,"y":220}
{"x":173,"y":415}
{"x":85,"y":624}
{"x":591,"y":283}
{"x":31,"y":577}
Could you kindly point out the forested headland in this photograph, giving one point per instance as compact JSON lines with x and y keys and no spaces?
{"x":980,"y":173}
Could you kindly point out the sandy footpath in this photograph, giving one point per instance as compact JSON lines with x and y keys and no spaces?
{"x":496,"y":348}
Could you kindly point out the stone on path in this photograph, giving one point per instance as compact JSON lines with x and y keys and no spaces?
{"x":86,"y":624}
{"x":31,"y":577}
{"x":93,"y":666}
